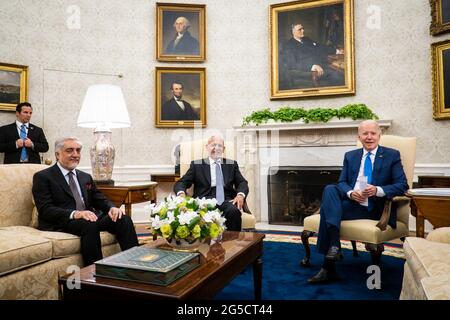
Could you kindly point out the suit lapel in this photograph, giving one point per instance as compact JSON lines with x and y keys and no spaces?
{"x":14,"y":130}
{"x":356,"y":163}
{"x":379,"y":157}
{"x":82,"y":182}
{"x":61,"y":180}
{"x":31,"y":131}
{"x":225,"y":171}
{"x":207,"y":170}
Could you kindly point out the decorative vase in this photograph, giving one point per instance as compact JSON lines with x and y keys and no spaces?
{"x":183,"y":245}
{"x":102,"y":156}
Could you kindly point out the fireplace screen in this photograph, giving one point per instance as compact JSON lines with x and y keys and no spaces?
{"x":295,"y":192}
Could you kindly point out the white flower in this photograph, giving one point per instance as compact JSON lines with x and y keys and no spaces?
{"x":170,"y":217}
{"x":154,"y":208}
{"x":205,"y":203}
{"x":157,"y":223}
{"x":212,"y":216}
{"x":186,"y":217}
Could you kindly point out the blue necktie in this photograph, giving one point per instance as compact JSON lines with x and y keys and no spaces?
{"x":368,"y":174}
{"x":23,"y":136}
{"x":220,"y":195}
{"x":368,"y":168}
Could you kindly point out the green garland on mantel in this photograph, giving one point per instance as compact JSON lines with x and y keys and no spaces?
{"x":288,"y":114}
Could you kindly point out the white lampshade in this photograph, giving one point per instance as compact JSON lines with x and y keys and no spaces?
{"x":103,"y":107}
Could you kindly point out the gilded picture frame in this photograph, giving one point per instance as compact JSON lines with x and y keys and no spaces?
{"x":180,"y":97}
{"x":440,"y":16}
{"x":180,"y":32}
{"x":312,"y":49}
{"x":13,"y":85}
{"x":440,"y":55}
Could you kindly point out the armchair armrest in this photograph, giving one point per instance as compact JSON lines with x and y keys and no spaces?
{"x":382,"y":223}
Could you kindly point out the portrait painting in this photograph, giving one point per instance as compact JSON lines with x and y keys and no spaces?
{"x":440,"y":52}
{"x":180,"y":97}
{"x":312,"y":48}
{"x":440,"y":16}
{"x":180,"y":32}
{"x":13,"y":85}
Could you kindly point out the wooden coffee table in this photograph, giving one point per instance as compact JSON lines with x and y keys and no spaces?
{"x":220,"y":263}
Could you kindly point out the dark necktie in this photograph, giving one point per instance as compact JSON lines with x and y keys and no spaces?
{"x":73,"y":187}
{"x":220,"y":194}
{"x":23,"y":136}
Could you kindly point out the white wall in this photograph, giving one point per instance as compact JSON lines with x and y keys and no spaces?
{"x":393,"y":68}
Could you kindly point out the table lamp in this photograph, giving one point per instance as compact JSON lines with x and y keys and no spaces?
{"x":103,"y":108}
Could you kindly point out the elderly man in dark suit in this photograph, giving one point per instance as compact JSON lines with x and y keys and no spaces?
{"x":22,"y":141}
{"x":183,"y":43}
{"x":219,"y":178}
{"x":68,"y":200}
{"x":176,"y":108}
{"x":370,"y":175}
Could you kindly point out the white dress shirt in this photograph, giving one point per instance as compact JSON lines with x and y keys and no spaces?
{"x":361,"y":183}
{"x":65,"y":173}
{"x":19,"y":125}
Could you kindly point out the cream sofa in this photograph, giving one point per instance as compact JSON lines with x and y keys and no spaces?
{"x":427,"y":268}
{"x":30,"y":259}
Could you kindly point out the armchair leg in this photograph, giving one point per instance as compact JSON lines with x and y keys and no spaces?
{"x":305,"y":240}
{"x":355,"y":251}
{"x":375,"y":251}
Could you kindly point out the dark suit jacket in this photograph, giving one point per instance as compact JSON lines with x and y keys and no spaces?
{"x":55,"y":202}
{"x":199,"y":174}
{"x":172,"y":111}
{"x":187,"y":45}
{"x":387,"y":173}
{"x":8,"y":137}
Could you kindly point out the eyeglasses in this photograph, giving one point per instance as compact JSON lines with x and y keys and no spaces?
{"x":217,"y":146}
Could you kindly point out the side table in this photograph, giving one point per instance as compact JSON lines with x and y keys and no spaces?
{"x":129,"y":193}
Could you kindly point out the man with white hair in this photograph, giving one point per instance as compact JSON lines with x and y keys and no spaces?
{"x":219,"y":178}
{"x":183,"y":43}
{"x":370,"y":175}
{"x":67,"y":200}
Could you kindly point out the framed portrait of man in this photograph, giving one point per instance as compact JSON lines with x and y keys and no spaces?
{"x":180,"y":32}
{"x":180,"y":97}
{"x":440,"y":16}
{"x":440,"y":54}
{"x":312,"y":49}
{"x":13,"y":85}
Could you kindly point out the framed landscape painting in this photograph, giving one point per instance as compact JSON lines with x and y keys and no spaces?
{"x":180,"y":32}
{"x":440,"y":54}
{"x":180,"y":97}
{"x":440,"y":16}
{"x":312,"y":48}
{"x":13,"y":85}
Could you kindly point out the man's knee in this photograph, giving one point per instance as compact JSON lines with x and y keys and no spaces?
{"x":89,"y":227}
{"x":329,"y":190}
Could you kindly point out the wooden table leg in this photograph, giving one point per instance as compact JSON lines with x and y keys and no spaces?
{"x":128,"y":209}
{"x":257,"y":278}
{"x":420,"y":225}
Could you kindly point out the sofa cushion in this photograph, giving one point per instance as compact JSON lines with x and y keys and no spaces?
{"x":16,"y":205}
{"x":63,"y":244}
{"x":19,"y":250}
{"x":364,"y":230}
{"x":440,"y":235}
{"x":427,"y":258}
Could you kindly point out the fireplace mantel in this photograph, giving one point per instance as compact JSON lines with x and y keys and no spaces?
{"x":301,"y":125}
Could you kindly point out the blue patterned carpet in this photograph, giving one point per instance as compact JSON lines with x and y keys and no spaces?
{"x":284,"y":279}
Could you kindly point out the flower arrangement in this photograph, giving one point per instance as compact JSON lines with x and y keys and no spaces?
{"x":185,"y":218}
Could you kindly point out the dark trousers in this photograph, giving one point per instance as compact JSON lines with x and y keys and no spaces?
{"x":232,"y":214}
{"x":335,"y":207}
{"x":90,"y":235}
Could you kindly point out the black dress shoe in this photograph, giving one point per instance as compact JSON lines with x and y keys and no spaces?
{"x":323,"y":276}
{"x":334,"y":253}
